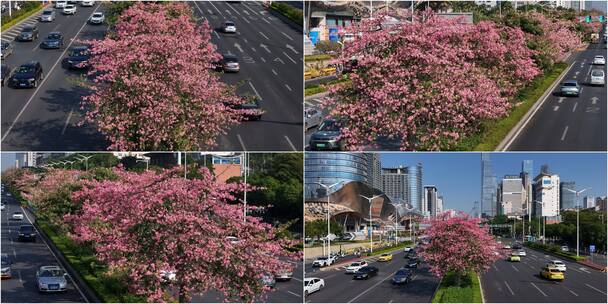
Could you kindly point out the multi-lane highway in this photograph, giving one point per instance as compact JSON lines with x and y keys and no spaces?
{"x":270,"y":52}
{"x":569,"y":123}
{"x":341,"y":288}
{"x":26,"y":258}
{"x":519,"y":282}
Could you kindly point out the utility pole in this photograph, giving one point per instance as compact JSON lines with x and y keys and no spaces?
{"x":578,"y":207}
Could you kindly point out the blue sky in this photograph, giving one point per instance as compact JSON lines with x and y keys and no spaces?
{"x":458,"y":175}
{"x":8,"y":160}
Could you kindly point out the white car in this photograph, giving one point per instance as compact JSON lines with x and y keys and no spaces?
{"x":599,"y":59}
{"x":506,"y":247}
{"x":229,"y":27}
{"x":557,"y":264}
{"x":18,"y":215}
{"x":354,"y":267}
{"x":322,"y":262}
{"x":313,"y":284}
{"x":87,"y":3}
{"x":97,"y":18}
{"x":565,"y":248}
{"x":167,"y":275}
{"x":407,"y":249}
{"x":2,"y":207}
{"x":69,"y":9}
{"x":598,"y":77}
{"x":60,"y":4}
{"x":521,"y":252}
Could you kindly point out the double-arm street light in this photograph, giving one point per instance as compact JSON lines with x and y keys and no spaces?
{"x":327,"y":187}
{"x":539,"y":215}
{"x":371,"y":226}
{"x":578,"y":206}
{"x":145,"y":160}
{"x":86,"y":161}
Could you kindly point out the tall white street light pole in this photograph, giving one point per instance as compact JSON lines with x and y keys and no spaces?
{"x":371,"y":226}
{"x":145,"y":160}
{"x":327,"y":187}
{"x":541,"y":212}
{"x":578,"y":207}
{"x":86,"y":161}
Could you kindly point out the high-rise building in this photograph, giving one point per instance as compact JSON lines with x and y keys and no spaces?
{"x":513,"y":192}
{"x":331,"y":168}
{"x":395,"y":183}
{"x":546,"y":191}
{"x":27,"y":159}
{"x":415,"y":190}
{"x":567,"y":198}
{"x":376,"y":171}
{"x":488,"y":187}
{"x":588,"y":202}
{"x":526,"y":175}
{"x":429,"y":203}
{"x":439,"y":204}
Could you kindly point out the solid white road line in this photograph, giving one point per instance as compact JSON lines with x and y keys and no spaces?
{"x":564,"y":134}
{"x":544,"y":294}
{"x":67,"y":122}
{"x":595,"y":289}
{"x":254,"y":90}
{"x":238,"y":136}
{"x":574,"y":108}
{"x":290,"y":143}
{"x":264,"y":35}
{"x":293,"y":293}
{"x":509,"y":288}
{"x":289,"y":57}
{"x":290,"y":90}
{"x":288,"y":37}
{"x":211,"y":2}
{"x":572,"y":292}
{"x":372,"y":287}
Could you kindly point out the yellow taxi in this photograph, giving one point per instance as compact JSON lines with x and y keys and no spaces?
{"x":552,"y":273}
{"x":385,"y":257}
{"x":514,"y":258}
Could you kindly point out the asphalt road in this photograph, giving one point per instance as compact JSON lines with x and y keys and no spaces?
{"x":519,"y":282}
{"x":27,"y":257}
{"x":284,"y":292}
{"x":569,"y":123}
{"x":341,"y":288}
{"x":270,"y":51}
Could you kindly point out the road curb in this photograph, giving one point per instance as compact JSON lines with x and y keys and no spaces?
{"x":483,"y":297}
{"x":86,"y":291}
{"x":319,"y":80}
{"x":318,"y":95}
{"x":283,"y":18}
{"x":508,"y":140}
{"x":34,"y":12}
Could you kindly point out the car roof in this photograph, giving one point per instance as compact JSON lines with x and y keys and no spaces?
{"x":50,"y":267}
{"x":99,"y":13}
{"x":570,"y":81}
{"x":308,"y":279}
{"x":52,"y":33}
{"x":28,"y":27}
{"x":29,"y":64}
{"x":80,"y":47}
{"x":229,"y":56}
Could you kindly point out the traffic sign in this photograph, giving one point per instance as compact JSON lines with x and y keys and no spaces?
{"x":591,"y":248}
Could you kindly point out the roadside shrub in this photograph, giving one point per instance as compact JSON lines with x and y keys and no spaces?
{"x":327,"y":47}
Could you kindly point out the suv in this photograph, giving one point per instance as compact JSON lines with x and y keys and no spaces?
{"x":327,"y":137}
{"x":322,"y":262}
{"x":78,"y":57}
{"x":27,"y":233}
{"x":28,"y":75}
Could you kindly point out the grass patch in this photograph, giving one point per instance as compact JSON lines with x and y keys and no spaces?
{"x":494,"y":131}
{"x":288,"y":11}
{"x":467,"y":290}
{"x":555,"y":249}
{"x":316,"y":89}
{"x":389,"y":249}
{"x":28,"y":9}
{"x":319,"y":57}
{"x":109,"y":288}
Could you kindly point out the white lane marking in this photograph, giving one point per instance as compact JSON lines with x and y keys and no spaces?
{"x":264,"y":35}
{"x":574,"y":108}
{"x":372,"y":287}
{"x":67,"y":122}
{"x":564,"y":134}
{"x":228,"y":12}
{"x":288,"y":37}
{"x":290,"y":90}
{"x":514,"y":268}
{"x":555,"y":108}
{"x":274,"y":72}
{"x":509,"y":287}
{"x":262,"y":58}
{"x":293,"y":293}
{"x":494,"y":266}
{"x":595,"y":289}
{"x":216,"y":34}
{"x":289,"y":57}
{"x":211,"y":2}
{"x":238,"y":47}
{"x":254,"y":90}
{"x":544,"y":294}
{"x":574,"y":293}
{"x":290,"y":143}
{"x":246,"y":12}
{"x":291,"y":48}
{"x":594,"y":100}
{"x":561,"y":99}
{"x":249,"y":8}
{"x":265,"y":20}
{"x":232,"y":8}
{"x":265,"y":47}
{"x":14,"y":254}
{"x":238,"y":136}
{"x":253,"y":49}
{"x":19,"y":275}
{"x":45,"y":78}
{"x":581,"y":93}
{"x":584,"y":269}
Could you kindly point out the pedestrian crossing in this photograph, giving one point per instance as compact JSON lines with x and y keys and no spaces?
{"x":10,"y":34}
{"x":314,"y":102}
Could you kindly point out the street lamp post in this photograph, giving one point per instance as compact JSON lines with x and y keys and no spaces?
{"x":145,"y":160}
{"x":327,"y":187}
{"x":578,"y":206}
{"x":541,"y":203}
{"x":86,"y":161}
{"x":371,"y":226}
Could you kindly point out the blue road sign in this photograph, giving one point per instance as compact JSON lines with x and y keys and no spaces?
{"x":591,"y":248}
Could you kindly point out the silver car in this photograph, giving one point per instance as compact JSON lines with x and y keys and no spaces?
{"x":47,"y":16}
{"x":570,"y":88}
{"x":312,"y":118}
{"x":51,"y":279}
{"x":598,"y":77}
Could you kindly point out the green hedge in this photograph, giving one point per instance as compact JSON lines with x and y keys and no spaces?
{"x":27,"y":9}
{"x":554,"y":249}
{"x":319,"y":57}
{"x":389,"y":249}
{"x":450,"y":291}
{"x":109,"y":288}
{"x":289,"y":11}
{"x":316,"y":89}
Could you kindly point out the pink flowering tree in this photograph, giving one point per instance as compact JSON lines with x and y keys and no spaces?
{"x":458,"y":244}
{"x":168,"y":233}
{"x":153,"y":86}
{"x":428,"y":83}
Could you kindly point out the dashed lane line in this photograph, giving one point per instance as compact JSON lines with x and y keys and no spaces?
{"x":564,"y":134}
{"x":509,"y":288}
{"x":595,"y":289}
{"x":372,"y":287}
{"x":544,"y":294}
{"x":238,"y":136}
{"x":290,"y":143}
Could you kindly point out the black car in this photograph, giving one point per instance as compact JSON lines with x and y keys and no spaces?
{"x":28,"y":75}
{"x":517,"y":246}
{"x":27,"y":233}
{"x":254,"y":104}
{"x":402,"y":276}
{"x":365,"y":272}
{"x":327,"y":137}
{"x":412,"y":262}
{"x":78,"y":57}
{"x":28,"y":33}
{"x":53,"y":41}
{"x":5,"y":71}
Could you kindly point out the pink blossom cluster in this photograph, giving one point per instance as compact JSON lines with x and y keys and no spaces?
{"x":458,"y":244}
{"x":559,"y":34}
{"x":153,"y":86}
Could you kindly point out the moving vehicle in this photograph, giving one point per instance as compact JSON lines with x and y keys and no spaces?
{"x":51,"y":279}
{"x":87,"y":3}
{"x":28,"y":33}
{"x":5,"y":271}
{"x":551,"y":273}
{"x":53,"y":41}
{"x":599,"y":60}
{"x":312,"y":118}
{"x":253,"y":105}
{"x":365,"y":272}
{"x":412,"y":263}
{"x":47,"y":16}
{"x":283,"y":275}
{"x":402,"y":276}
{"x":514,"y":257}
{"x":78,"y":57}
{"x":559,"y":265}
{"x":385,"y":257}
{"x":2,"y":206}
{"x":521,"y":252}
{"x":229,"y":27}
{"x":230,"y":63}
{"x":6,"y":49}
{"x":570,"y":88}
{"x":594,"y":37}
{"x":322,"y":262}
{"x":60,"y":4}
{"x":313,"y":284}
{"x":97,"y":18}
{"x":268,"y":280}
{"x":598,"y":77}
{"x":327,"y":137}
{"x":27,"y":233}
{"x":69,"y":9}
{"x":565,"y":248}
{"x":18,"y":215}
{"x":354,"y":267}
{"x":27,"y":75}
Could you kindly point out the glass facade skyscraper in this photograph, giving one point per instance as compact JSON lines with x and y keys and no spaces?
{"x":415,"y":190}
{"x":567,"y":198}
{"x":331,"y":168}
{"x":488,"y":187}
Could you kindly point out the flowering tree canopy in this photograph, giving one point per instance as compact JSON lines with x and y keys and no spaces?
{"x":153,"y":86}
{"x":458,"y":244}
{"x":148,"y":224}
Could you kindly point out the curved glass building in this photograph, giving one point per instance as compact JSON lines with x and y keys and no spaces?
{"x":334,"y":167}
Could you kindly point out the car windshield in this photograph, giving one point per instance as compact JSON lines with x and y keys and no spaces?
{"x":231,"y":59}
{"x":47,"y":13}
{"x":569,"y":84}
{"x":79,"y":52}
{"x":599,"y":57}
{"x":54,"y":36}
{"x":329,"y":125}
{"x":97,"y":15}
{"x":26,"y":228}
{"x":364,"y":269}
{"x":229,"y":24}
{"x":355,"y":264}
{"x":597,"y":73}
{"x":322,"y":258}
{"x":401,"y":272}
{"x":17,"y":213}
{"x":21,"y":70}
{"x":28,"y":29}
{"x":4,"y":261}
{"x":51,"y":273}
